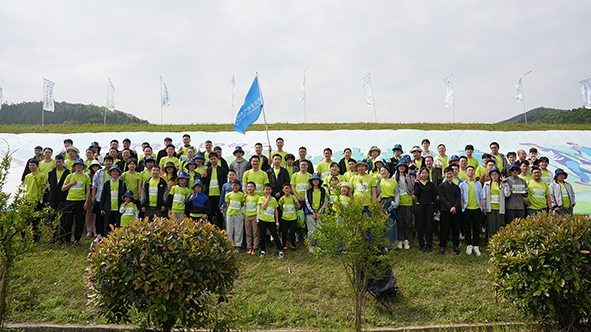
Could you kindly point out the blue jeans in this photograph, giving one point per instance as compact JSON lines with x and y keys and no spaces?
{"x":564,"y":211}
{"x":531,"y":212}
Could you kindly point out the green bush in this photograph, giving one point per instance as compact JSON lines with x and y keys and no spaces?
{"x":541,"y":265}
{"x":171,"y":272}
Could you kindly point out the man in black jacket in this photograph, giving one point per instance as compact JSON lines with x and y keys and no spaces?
{"x":450,"y":207}
{"x":56,"y":198}
{"x":278,"y":176}
{"x":213,"y":182}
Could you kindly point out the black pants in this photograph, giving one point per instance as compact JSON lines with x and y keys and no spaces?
{"x":35,"y":220}
{"x":291,"y":226}
{"x":472,"y":218}
{"x":511,"y":214}
{"x":112,"y":219}
{"x":99,"y":219}
{"x":58,"y":208}
{"x":74,"y":210}
{"x":424,"y":223}
{"x":214,"y":201}
{"x":263,"y":226}
{"x":449,"y":221}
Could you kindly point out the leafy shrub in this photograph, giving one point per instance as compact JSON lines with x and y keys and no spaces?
{"x":541,"y":265}
{"x":169,"y":271}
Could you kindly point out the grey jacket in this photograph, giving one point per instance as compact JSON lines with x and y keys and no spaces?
{"x":556,"y":194}
{"x":504,"y":191}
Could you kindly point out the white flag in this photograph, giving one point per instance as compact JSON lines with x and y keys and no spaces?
{"x":111,"y":96}
{"x":48,"y":95}
{"x":164,"y":94}
{"x":449,"y":97}
{"x":368,"y":91}
{"x":303,"y":94}
{"x":519,"y":95}
{"x":233,"y":81}
{"x":585,"y":89}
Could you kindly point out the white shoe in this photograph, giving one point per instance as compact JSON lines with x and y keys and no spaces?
{"x":469,"y":250}
{"x":311,"y":249}
{"x":262,"y":255}
{"x":462,"y":238}
{"x":406,"y":244}
{"x":477,"y":251}
{"x":281,"y":255}
{"x":399,"y":246}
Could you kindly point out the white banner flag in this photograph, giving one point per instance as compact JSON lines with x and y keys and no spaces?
{"x":48,"y":95}
{"x":368,"y":91}
{"x":303,"y":94}
{"x":111,"y":96}
{"x":586,"y":90}
{"x":165,"y":98}
{"x":449,"y":97}
{"x":519,"y":95}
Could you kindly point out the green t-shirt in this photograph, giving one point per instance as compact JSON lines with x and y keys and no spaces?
{"x":250,"y":204}
{"x":495,"y":195}
{"x":348,"y":175}
{"x":153,"y":192}
{"x":473,"y":162}
{"x":235,"y":201}
{"x":34,"y":185}
{"x":499,"y":160}
{"x":565,"y":198}
{"x":480,"y":171}
{"x":214,"y":185}
{"x":69,"y":164}
{"x":132,"y":182}
{"x":268,"y":214}
{"x":259,"y":178}
{"x":282,"y":154}
{"x":114,"y":194}
{"x":362,"y":187}
{"x":388,"y":188}
{"x":128,"y":214}
{"x":179,"y":197}
{"x":443,"y":162}
{"x":546,"y":177}
{"x":462,"y":175}
{"x":77,"y":192}
{"x":145,"y":175}
{"x":323,"y":168}
{"x":419,"y":163}
{"x":327,"y":178}
{"x":316,"y":195}
{"x":300,"y":181}
{"x":173,"y":160}
{"x":201,"y":169}
{"x":536,"y":195}
{"x":527,"y":178}
{"x":289,"y":170}
{"x":405,"y":197}
{"x":288,"y":205}
{"x":472,"y":201}
{"x":45,"y":167}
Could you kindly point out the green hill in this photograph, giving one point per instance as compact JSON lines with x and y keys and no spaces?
{"x":29,"y":113}
{"x":553,"y":116}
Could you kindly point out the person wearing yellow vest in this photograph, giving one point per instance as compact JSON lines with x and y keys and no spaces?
{"x":288,"y":204}
{"x":495,"y":192}
{"x":251,"y":228}
{"x":111,"y":200}
{"x":177,"y":196}
{"x":128,"y":209}
{"x":472,"y":202}
{"x":267,"y":211}
{"x":78,"y":186}
{"x":562,"y":194}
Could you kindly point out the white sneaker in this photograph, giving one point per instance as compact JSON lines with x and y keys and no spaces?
{"x":311,"y":249}
{"x":462,"y":238}
{"x":469,"y":250}
{"x":281,"y":255}
{"x":406,"y":244}
{"x":399,"y":246}
{"x":262,"y":255}
{"x":477,"y":251}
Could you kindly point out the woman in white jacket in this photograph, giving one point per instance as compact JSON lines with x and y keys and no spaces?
{"x":562,"y":194}
{"x":495,"y":192}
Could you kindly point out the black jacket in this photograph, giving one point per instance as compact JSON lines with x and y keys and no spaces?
{"x":106,"y":196}
{"x":426,"y":193}
{"x":436,"y":177}
{"x":449,"y":196}
{"x":162,"y":194}
{"x":310,"y":166}
{"x":222,"y":178}
{"x":54,"y":192}
{"x":278,"y":181}
{"x":221,"y":162}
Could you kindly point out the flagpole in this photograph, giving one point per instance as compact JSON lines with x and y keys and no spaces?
{"x":305,"y":97}
{"x":233,"y":85}
{"x":523,"y":97}
{"x":161,"y":121}
{"x":263,"y":108}
{"x":106,"y":103}
{"x":42,"y":105}
{"x":375,"y":114}
{"x":454,"y":102}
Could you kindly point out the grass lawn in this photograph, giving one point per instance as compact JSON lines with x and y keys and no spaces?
{"x":298,"y":292}
{"x":93,"y":128}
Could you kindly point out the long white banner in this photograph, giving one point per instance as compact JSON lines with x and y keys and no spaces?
{"x":569,"y":150}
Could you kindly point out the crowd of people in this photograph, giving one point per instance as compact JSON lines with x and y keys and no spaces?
{"x":423,"y":192}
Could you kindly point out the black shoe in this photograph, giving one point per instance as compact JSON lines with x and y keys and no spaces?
{"x":76,"y":244}
{"x":442,"y":250}
{"x":429,"y":250}
{"x":457,"y":250}
{"x":422,"y":249}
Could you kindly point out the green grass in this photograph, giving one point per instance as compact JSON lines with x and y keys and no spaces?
{"x":65,"y":129}
{"x":298,"y":292}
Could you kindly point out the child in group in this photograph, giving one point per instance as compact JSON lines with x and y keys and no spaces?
{"x":234,"y":217}
{"x":334,"y":172}
{"x":177,"y":197}
{"x":197,"y":206}
{"x":333,"y":188}
{"x":345,"y":197}
{"x":352,"y":170}
{"x":170,"y":174}
{"x":128,"y":210}
{"x":225,"y":190}
{"x":267,"y":211}
{"x":288,"y":204}
{"x":190,"y":166}
{"x":112,"y":198}
{"x":250,"y":218}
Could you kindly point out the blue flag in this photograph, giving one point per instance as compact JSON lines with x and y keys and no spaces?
{"x":251,"y":110}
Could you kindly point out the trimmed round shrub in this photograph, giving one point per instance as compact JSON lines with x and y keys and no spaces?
{"x":170,"y":272}
{"x":541,"y":265}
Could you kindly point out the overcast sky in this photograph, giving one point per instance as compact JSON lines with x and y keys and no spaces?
{"x":196,"y":46}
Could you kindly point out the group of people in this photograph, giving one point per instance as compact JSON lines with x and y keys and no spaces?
{"x":283,"y":195}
